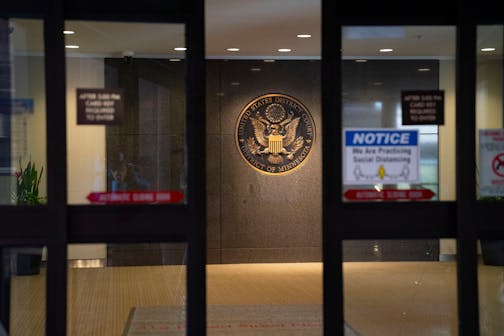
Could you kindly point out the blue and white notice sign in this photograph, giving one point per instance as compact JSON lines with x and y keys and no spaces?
{"x":380,"y":156}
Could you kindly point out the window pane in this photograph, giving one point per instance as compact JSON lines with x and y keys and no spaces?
{"x":491,"y":286}
{"x":489,"y":122}
{"x":22,"y":112}
{"x":400,"y":287}
{"x":125,"y":113}
{"x":126,"y":289}
{"x":398,"y":113}
{"x":26,"y":278}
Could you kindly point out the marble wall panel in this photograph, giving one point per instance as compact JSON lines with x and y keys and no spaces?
{"x":265,"y":218}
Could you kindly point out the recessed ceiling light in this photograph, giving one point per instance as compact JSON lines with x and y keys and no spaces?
{"x":423,"y":69}
{"x":487,"y":49}
{"x":233,"y":49}
{"x":175,"y":59}
{"x":72,"y":46}
{"x":360,"y":60}
{"x":269,"y":61}
{"x":68,"y":32}
{"x":284,"y":50}
{"x":255,"y":69}
{"x":180,"y":48}
{"x":235,"y":83}
{"x":304,"y":35}
{"x":386,"y":50}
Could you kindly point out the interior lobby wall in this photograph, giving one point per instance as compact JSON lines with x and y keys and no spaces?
{"x":253,"y":217}
{"x":447,"y":176}
{"x":86,"y":146}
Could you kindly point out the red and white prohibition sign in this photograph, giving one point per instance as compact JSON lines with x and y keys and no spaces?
{"x":498,"y":165}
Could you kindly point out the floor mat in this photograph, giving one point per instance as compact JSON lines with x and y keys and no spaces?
{"x":236,"y":320}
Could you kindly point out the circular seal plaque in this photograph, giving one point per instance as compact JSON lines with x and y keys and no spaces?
{"x":275,"y":133}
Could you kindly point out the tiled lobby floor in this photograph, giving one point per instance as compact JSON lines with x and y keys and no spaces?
{"x":381,"y":298}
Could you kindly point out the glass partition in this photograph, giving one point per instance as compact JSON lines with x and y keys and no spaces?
{"x":490,"y":172}
{"x":489,"y":114}
{"x":127,"y":289}
{"x":398,"y":113}
{"x":125,"y":112}
{"x":22,"y":112}
{"x":23,"y":281}
{"x":399,"y":287}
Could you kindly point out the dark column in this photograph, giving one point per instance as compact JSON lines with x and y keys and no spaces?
{"x":5,"y":158}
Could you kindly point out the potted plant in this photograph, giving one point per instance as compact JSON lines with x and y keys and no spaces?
{"x":28,"y":260}
{"x":27,"y":184}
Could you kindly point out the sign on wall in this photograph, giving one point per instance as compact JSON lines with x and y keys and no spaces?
{"x":422,"y":107}
{"x":99,"y":106}
{"x":275,"y":133}
{"x":135,"y":197}
{"x":380,"y":156}
{"x":491,"y":162}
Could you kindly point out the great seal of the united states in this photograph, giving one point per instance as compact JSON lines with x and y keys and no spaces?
{"x":275,"y":133}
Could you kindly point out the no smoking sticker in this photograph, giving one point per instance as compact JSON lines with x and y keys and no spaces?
{"x":498,"y":165}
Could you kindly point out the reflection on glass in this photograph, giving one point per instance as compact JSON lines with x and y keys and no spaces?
{"x":22,"y":112}
{"x":24,"y":275}
{"x":125,"y":112}
{"x":395,"y":132}
{"x":126,"y":289}
{"x":399,"y":287}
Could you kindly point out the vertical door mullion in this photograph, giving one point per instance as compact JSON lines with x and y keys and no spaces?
{"x":56,"y":168}
{"x":196,"y":172}
{"x":331,"y":171}
{"x":467,"y":277}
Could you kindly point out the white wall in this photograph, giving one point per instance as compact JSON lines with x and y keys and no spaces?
{"x":86,"y":146}
{"x":86,"y":143}
{"x":447,"y":161}
{"x":489,"y":94}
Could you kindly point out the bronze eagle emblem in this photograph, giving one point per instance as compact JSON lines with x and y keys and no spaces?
{"x":275,"y":134}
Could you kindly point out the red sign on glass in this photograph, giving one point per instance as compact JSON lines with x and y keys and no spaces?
{"x":135,"y":197}
{"x":388,"y":194}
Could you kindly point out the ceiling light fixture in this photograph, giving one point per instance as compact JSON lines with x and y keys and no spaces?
{"x":180,"y":48}
{"x":233,"y":49}
{"x":386,"y":50}
{"x":255,"y":69}
{"x":360,"y":60}
{"x":303,"y":35}
{"x":423,"y":69}
{"x":68,"y":32}
{"x":269,"y":61}
{"x":175,"y":59}
{"x":72,"y":46}
{"x":284,"y":50}
{"x":487,"y":49}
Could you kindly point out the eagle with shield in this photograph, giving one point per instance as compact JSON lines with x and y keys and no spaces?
{"x":275,"y":134}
